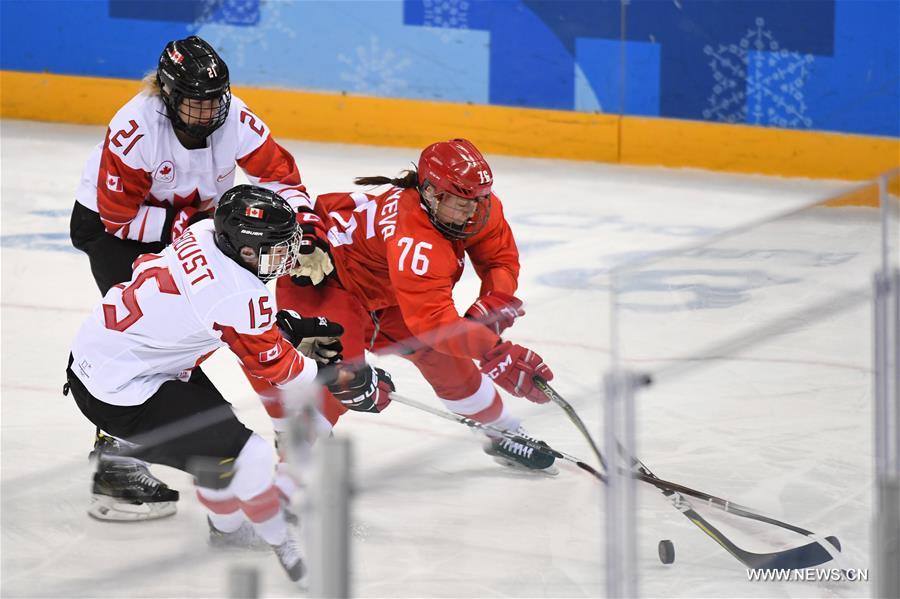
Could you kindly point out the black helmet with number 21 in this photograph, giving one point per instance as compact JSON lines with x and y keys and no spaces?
{"x":257,"y":228}
{"x":193,"y":82}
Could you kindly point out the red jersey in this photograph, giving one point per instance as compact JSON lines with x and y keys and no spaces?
{"x":387,"y":253}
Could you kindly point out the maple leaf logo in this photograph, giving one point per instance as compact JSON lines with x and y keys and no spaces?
{"x":165,"y":172}
{"x":191,"y":199}
{"x":179,"y":201}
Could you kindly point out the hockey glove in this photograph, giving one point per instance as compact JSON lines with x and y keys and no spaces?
{"x":314,"y":264}
{"x":179,"y":220}
{"x":315,"y":337}
{"x":514,"y":367}
{"x":496,"y":310}
{"x":368,"y":391}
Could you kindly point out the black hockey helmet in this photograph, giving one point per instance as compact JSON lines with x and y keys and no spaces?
{"x":191,"y":70}
{"x":255,"y":217}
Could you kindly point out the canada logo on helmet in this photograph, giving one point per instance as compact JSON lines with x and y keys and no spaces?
{"x":254,"y":212}
{"x":176,"y":56}
{"x":456,"y":167}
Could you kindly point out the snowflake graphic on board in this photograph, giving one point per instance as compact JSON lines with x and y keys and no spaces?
{"x":232,"y":12}
{"x":445,"y":16}
{"x":757,"y":81}
{"x":374,"y":71}
{"x":449,"y":14}
{"x":218,"y":18}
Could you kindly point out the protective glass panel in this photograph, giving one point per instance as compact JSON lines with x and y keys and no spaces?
{"x":758,"y":347}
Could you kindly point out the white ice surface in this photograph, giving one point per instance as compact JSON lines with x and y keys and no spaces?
{"x":785,"y":427}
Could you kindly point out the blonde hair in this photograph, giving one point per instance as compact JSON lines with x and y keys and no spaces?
{"x":150,"y":84}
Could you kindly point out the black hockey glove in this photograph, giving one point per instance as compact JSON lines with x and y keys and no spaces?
{"x":369,"y":391}
{"x":316,"y":337}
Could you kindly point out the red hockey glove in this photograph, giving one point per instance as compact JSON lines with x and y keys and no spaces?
{"x":181,"y":220}
{"x":368,"y":391}
{"x":514,"y":367}
{"x":314,"y":263}
{"x":496,"y":310}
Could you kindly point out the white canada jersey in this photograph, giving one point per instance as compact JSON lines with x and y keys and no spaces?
{"x":141,"y":170}
{"x":180,"y":306}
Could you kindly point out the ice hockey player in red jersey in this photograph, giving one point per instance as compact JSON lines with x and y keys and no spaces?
{"x":133,"y":366}
{"x":397,"y":257}
{"x":168,"y":155}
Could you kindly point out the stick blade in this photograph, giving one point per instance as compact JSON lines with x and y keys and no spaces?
{"x":797,"y":558}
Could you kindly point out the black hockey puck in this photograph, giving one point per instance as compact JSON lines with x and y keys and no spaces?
{"x":666,"y":551}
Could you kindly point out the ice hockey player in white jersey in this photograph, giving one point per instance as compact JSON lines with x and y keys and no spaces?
{"x":133,"y":366}
{"x":168,"y":155}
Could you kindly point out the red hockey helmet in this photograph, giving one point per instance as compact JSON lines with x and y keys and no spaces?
{"x":457,"y":167}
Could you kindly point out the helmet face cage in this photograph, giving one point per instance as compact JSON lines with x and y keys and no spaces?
{"x":473,"y":225}
{"x":205,"y":115}
{"x":278,"y":259}
{"x":194,"y":84}
{"x":261,"y":220}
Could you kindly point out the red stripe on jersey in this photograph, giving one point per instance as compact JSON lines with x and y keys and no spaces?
{"x":271,"y":396}
{"x":248,"y":348}
{"x":225,"y":506}
{"x":144,"y":225}
{"x":120,"y":189}
{"x":263,"y":506}
{"x":270,"y":162}
{"x":487,"y":415}
{"x":298,"y":188}
{"x":144,"y":258}
{"x":274,"y":405}
{"x":272,"y":399}
{"x":331,"y":408}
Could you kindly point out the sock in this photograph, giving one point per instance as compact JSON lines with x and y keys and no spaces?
{"x":227,"y":522}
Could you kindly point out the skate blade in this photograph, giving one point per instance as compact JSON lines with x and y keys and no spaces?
{"x":247,"y":541}
{"x":109,"y":509}
{"x":254,"y":545}
{"x":551,"y":470}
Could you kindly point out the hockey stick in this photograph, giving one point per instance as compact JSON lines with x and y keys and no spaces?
{"x":642,"y":473}
{"x":485,"y":428}
{"x":556,"y":398}
{"x":805,"y":556}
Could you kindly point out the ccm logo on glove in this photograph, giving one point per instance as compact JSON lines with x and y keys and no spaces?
{"x":500,"y":367}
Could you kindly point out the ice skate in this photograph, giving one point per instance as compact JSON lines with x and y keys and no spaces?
{"x":519,"y":456}
{"x":244,"y":538}
{"x":123,"y":489}
{"x":291,"y":558}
